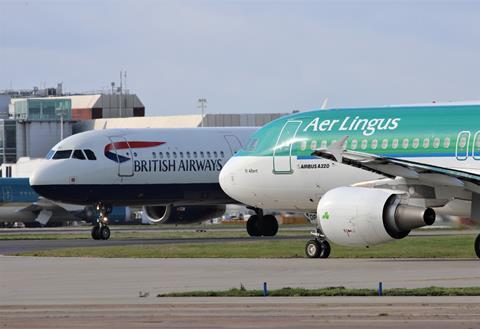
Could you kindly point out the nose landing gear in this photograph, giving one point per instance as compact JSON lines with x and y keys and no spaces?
{"x":262,"y":225}
{"x":318,"y":247}
{"x":100,"y":229}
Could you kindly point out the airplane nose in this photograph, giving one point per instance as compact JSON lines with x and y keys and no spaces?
{"x":37,"y":177}
{"x":43,"y":181}
{"x":227,"y":178}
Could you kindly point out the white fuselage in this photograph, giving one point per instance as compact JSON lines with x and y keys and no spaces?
{"x":140,"y":166}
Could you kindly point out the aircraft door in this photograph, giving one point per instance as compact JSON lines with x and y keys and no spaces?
{"x":461,"y":149}
{"x":282,"y":153}
{"x":124,"y":156}
{"x":233,"y":143}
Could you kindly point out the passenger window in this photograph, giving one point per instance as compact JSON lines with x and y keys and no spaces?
{"x":313,"y":145}
{"x":160,"y":155}
{"x":208,"y":154}
{"x":202,"y":155}
{"x":78,"y":154}
{"x":181,"y":155}
{"x":354,"y":144}
{"x":364,"y":144}
{"x":374,"y":144}
{"x":323,"y":145}
{"x":415,"y":143}
{"x":405,"y":143}
{"x":222,"y":154}
{"x":395,"y":143}
{"x":426,"y":143}
{"x":195,"y":154}
{"x":215,"y":154}
{"x":168,"y":155}
{"x":303,"y":145}
{"x":174,"y":155}
{"x":154,"y":155}
{"x":446,"y":142}
{"x":436,"y":142}
{"x":188,"y":155}
{"x":90,"y":155}
{"x":384,"y":143}
{"x":65,"y":154}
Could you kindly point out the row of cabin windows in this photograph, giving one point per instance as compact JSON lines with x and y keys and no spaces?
{"x":384,"y":144}
{"x":188,"y":155}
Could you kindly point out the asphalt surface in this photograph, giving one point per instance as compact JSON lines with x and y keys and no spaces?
{"x":265,"y":313}
{"x":70,"y":280}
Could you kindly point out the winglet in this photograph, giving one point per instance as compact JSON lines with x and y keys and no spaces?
{"x":334,"y":151}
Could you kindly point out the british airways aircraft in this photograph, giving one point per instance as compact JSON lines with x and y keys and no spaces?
{"x":171,"y":172}
{"x":370,"y":174}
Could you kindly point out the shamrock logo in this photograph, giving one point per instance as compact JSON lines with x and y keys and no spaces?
{"x":326,"y":215}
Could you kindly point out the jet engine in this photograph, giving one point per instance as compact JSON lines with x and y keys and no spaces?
{"x":358,"y":216}
{"x":169,"y":214}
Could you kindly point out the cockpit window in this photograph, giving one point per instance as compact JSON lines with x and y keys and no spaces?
{"x":78,"y":154}
{"x":252,"y":145}
{"x":52,"y":152}
{"x":64,"y":154}
{"x":90,"y":155}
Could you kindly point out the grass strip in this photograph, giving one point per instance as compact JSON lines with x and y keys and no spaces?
{"x":410,"y":247}
{"x":330,"y":292}
{"x":144,"y":235}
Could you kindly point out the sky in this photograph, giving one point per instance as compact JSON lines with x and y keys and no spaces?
{"x":246,"y":56}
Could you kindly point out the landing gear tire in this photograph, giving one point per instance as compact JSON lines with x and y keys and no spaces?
{"x":317,"y":249}
{"x":253,"y":226}
{"x":96,"y":232}
{"x":312,"y":249}
{"x":104,"y":233}
{"x":262,"y":225}
{"x":325,"y":252}
{"x":269,"y":225}
{"x":477,"y":246}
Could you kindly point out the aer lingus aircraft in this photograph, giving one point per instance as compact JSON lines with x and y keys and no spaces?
{"x":370,"y":174}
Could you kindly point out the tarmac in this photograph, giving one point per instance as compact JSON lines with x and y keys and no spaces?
{"x":259,"y":312}
{"x":62,"y":281}
{"x":37,"y":292}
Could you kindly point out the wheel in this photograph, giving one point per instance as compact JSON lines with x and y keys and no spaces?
{"x":96,"y":232}
{"x":253,"y":226}
{"x":312,"y":249}
{"x":269,"y":225}
{"x":325,"y":249}
{"x":104,"y":233}
{"x":477,"y":246}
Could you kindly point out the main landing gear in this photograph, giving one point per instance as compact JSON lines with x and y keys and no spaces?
{"x":262,"y":225}
{"x":318,"y":247}
{"x":100,"y":229}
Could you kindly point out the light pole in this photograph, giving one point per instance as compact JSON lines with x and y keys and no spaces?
{"x":202,"y":104}
{"x":62,"y":112}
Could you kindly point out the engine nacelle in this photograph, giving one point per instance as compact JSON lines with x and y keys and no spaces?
{"x":169,"y":214}
{"x":358,"y":216}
